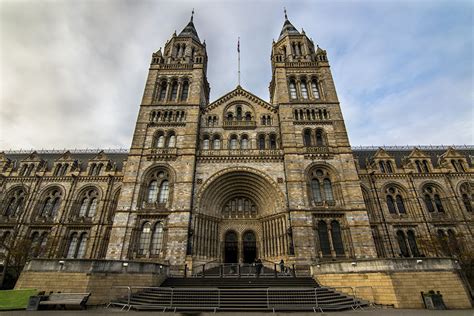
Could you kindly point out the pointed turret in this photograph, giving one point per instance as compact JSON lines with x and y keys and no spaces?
{"x":288,"y":28}
{"x":190,"y":30}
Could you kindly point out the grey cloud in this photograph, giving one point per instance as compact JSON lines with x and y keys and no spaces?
{"x":72,"y":73}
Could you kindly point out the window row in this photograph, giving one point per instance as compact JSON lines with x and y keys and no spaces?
{"x":167,"y":116}
{"x":315,"y":137}
{"x":26,"y":169}
{"x":239,"y":207}
{"x":310,"y":114}
{"x":266,"y":120}
{"x":164,"y":140}
{"x":169,"y":91}
{"x":85,"y":205}
{"x":61,"y":169}
{"x":239,"y":115}
{"x":302,"y":89}
{"x":458,"y":165}
{"x":422,"y":166}
{"x":264,"y":141}
{"x":95,"y":169}
{"x":385,"y":166}
{"x":432,"y":196}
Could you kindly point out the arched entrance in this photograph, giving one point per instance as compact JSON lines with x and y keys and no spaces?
{"x":249,"y":247}
{"x":231,"y":248}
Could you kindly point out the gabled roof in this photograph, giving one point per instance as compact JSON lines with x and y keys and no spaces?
{"x":239,"y":91}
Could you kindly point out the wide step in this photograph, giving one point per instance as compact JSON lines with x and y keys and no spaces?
{"x":256,"y":295}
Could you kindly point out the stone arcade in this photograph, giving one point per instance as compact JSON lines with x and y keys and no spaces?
{"x":240,"y":178}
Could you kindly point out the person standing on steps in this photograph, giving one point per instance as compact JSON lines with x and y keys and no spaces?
{"x":282,"y":266}
{"x":258,"y":267}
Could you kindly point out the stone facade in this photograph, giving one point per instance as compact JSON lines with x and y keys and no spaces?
{"x":239,"y":177}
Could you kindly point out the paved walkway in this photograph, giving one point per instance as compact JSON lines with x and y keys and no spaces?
{"x":373,"y":312}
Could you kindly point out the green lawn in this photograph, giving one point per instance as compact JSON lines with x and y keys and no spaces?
{"x":15,"y":299}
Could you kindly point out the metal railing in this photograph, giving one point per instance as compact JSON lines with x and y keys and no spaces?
{"x":213,"y":298}
{"x":215,"y":269}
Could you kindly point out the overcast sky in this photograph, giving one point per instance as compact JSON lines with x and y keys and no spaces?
{"x":72,"y":73}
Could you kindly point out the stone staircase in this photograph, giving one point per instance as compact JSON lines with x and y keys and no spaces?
{"x":240,"y":294}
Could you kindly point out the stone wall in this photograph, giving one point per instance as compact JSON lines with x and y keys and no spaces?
{"x":99,"y":277}
{"x":397,"y":282}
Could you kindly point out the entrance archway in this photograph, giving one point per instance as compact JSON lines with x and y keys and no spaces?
{"x":249,"y":247}
{"x":231,"y":248}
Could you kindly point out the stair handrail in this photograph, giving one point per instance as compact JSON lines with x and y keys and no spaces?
{"x":211,"y":263}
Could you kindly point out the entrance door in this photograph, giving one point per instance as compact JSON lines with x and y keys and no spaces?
{"x":231,"y":248}
{"x":250,"y":247}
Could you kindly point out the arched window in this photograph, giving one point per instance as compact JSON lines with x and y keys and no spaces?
{"x":248,"y":116}
{"x":316,"y":190}
{"x":261,"y":141}
{"x":171,"y":141}
{"x":418,"y":166}
{"x":273,"y":143}
{"x":162,"y":91}
{"x":453,"y":242}
{"x":467,"y":196}
{"x":160,"y":140}
{"x":157,"y":190}
{"x":412,"y":243}
{"x":389,"y":166}
{"x":307,"y":138}
{"x":304,"y":89}
{"x":174,"y":90}
{"x":443,"y":241}
{"x":400,"y":204}
{"x":382,"y":166}
{"x":233,"y":142}
{"x":164,"y":192}
{"x":328,"y":190}
{"x":157,"y":239}
{"x":432,"y":199}
{"x":205,"y":143}
{"x":337,"y":238}
{"x":324,"y":238}
{"x":239,"y":113}
{"x":152,"y":191}
{"x":71,"y":253}
{"x":230,"y":116}
{"x":319,"y":138}
{"x":426,"y":167}
{"x":15,"y":202}
{"x":50,"y":205}
{"x":244,"y":142}
{"x":293,"y":94}
{"x":321,"y":193}
{"x":88,"y":203}
{"x":314,"y":88}
{"x":185,"y":91}
{"x":395,"y":201}
{"x":391,"y":205}
{"x":216,"y":143}
{"x":38,"y":244}
{"x":402,"y":244}
{"x":144,"y":241}
{"x":81,"y":249}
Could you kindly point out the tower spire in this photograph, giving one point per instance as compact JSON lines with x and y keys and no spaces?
{"x":284,"y":10}
{"x":192,"y":15}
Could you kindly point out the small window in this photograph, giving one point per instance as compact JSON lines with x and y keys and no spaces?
{"x":319,"y":138}
{"x":314,"y":88}
{"x":307,"y":138}
{"x":261,"y":142}
{"x":293,"y":95}
{"x":216,"y":143}
{"x":174,"y":90}
{"x":164,"y":192}
{"x":163,"y":91}
{"x":184,"y":93}
{"x":233,"y":142}
{"x":244,"y":142}
{"x":273,"y":143}
{"x":205,"y":143}
{"x":304,"y":90}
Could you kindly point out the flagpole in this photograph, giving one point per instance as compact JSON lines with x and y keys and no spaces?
{"x":238,"y":51}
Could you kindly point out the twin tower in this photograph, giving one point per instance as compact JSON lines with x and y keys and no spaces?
{"x":240,"y":178}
